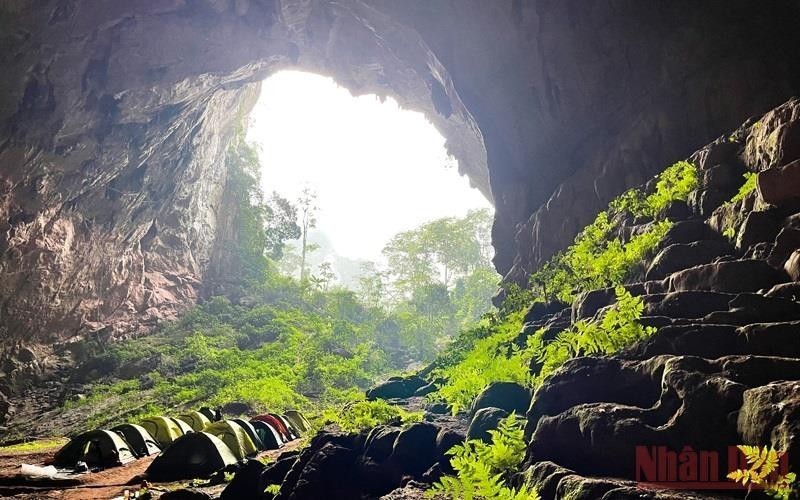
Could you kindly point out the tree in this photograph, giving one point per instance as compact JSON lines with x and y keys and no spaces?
{"x":308,"y":220}
{"x":281,"y":225}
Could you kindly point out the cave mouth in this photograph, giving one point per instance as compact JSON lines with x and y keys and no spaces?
{"x":375,"y":168}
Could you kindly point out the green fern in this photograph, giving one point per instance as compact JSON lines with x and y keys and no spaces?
{"x":481,"y":468}
{"x":750,"y":182}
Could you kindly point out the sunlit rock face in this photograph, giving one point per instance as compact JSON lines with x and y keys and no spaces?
{"x":114,"y":118}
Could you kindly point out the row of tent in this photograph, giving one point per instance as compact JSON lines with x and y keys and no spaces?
{"x":193,"y":445}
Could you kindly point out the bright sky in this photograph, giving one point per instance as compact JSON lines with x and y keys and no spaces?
{"x":377,"y":169}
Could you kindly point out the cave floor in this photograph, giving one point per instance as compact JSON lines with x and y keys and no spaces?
{"x":106,"y":484}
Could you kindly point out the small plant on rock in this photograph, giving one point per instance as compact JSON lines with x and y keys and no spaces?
{"x":764,"y":462}
{"x":482,"y":469}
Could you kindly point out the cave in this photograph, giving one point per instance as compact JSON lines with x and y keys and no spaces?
{"x":116,"y":115}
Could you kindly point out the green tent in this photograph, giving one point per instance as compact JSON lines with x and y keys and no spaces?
{"x":270,"y":438}
{"x":98,"y":448}
{"x":142,"y":443}
{"x":251,"y":432}
{"x":298,"y":421}
{"x":194,"y":455}
{"x":163,"y":429}
{"x":196,"y":420}
{"x":233,"y":435}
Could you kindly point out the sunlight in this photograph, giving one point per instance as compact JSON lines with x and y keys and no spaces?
{"x":377,"y":169}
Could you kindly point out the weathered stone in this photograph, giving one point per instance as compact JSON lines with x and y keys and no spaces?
{"x":483,"y":421}
{"x":757,"y":227}
{"x":787,"y":241}
{"x":683,"y":256}
{"x":397,"y":388}
{"x":507,"y":396}
{"x":779,"y":185}
{"x":770,"y":416}
{"x":792,"y":265}
{"x":733,"y":276}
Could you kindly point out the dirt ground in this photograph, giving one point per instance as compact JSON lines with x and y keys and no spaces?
{"x":104,"y":485}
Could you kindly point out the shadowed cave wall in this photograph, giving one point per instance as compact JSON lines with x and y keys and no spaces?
{"x":114,"y":118}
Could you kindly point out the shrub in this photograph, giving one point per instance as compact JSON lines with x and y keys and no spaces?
{"x":362,"y":415}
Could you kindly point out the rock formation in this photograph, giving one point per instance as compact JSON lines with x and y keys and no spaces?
{"x":115,"y":116}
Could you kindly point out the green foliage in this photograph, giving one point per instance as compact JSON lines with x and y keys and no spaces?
{"x":34,"y":446}
{"x":362,"y":415}
{"x":619,"y":328}
{"x":482,"y":469}
{"x":673,"y":184}
{"x":763,"y":464}
{"x":495,"y":358}
{"x":750,"y":182}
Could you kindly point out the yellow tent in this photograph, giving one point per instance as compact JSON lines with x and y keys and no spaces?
{"x":234,"y":436}
{"x":163,"y":429}
{"x":196,"y":420}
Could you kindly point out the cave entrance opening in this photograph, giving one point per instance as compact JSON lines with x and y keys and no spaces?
{"x":374,"y":168}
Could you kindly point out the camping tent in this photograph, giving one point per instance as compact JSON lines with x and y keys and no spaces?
{"x":141,"y":442}
{"x":293,"y":434}
{"x":194,"y":455}
{"x":276,"y":424}
{"x":234,"y":436}
{"x":185,"y":428}
{"x":251,"y":432}
{"x":270,"y":438}
{"x":98,"y":448}
{"x":298,"y":420}
{"x":196,"y":420}
{"x":211,"y":415}
{"x":163,"y":429}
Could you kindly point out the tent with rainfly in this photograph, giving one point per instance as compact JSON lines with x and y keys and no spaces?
{"x":163,"y":429}
{"x":269,"y":436}
{"x":233,"y":435}
{"x":250,"y":430}
{"x":196,"y":420}
{"x":298,"y":421}
{"x":142,"y":443}
{"x":193,"y":455}
{"x":276,"y":424}
{"x":291,"y":431}
{"x":98,"y":448}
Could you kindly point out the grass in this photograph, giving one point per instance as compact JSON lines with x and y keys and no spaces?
{"x":35,"y":446}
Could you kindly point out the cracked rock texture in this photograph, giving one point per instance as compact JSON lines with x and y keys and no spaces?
{"x":114,"y":118}
{"x":723,"y":366}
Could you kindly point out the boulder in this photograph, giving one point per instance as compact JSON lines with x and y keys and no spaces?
{"x":237,"y":408}
{"x":485,"y":420}
{"x":508,"y":396}
{"x":276,"y":472}
{"x":792,"y":265}
{"x":689,"y":231}
{"x":678,"y":257}
{"x":747,"y":275}
{"x":397,"y":387}
{"x":247,"y":482}
{"x":426,"y":389}
{"x":787,"y":241}
{"x":380,"y":442}
{"x":704,"y":201}
{"x":688,"y":304}
{"x":770,"y":415}
{"x":779,"y":185}
{"x":415,"y":449}
{"x":758,"y":227}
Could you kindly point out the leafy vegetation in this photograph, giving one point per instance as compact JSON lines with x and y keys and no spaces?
{"x":749,"y":185}
{"x":600,"y":257}
{"x":37,"y":445}
{"x":481,"y":468}
{"x":277,"y":342}
{"x":763,"y":471}
{"x":362,"y":415}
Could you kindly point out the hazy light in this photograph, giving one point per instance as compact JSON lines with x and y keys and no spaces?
{"x":377,"y":169}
